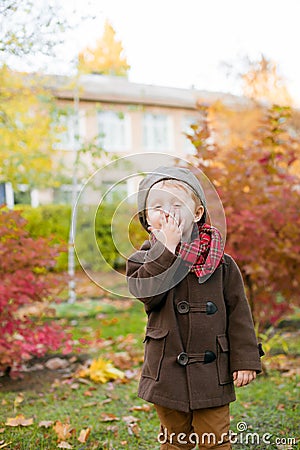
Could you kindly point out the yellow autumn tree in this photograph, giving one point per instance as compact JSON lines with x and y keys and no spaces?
{"x":26,"y":130}
{"x":28,"y":29}
{"x":263,"y":83}
{"x":106,"y":57}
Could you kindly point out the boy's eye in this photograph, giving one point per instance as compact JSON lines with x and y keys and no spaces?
{"x":177,"y":205}
{"x":157,"y":207}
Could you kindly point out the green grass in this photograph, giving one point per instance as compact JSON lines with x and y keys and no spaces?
{"x":268,"y":405}
{"x":89,"y":308}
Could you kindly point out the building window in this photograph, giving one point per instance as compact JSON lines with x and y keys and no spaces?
{"x":64,"y":194}
{"x":114,"y":131}
{"x":157,"y":132}
{"x":188,"y":147}
{"x":113,"y":191}
{"x":70,"y":138}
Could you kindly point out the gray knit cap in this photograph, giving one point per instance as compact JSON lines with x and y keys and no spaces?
{"x":167,"y":173}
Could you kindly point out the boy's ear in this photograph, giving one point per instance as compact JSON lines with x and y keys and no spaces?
{"x":198,"y":213}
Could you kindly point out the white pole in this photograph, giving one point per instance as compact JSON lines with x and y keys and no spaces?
{"x":71,"y":244}
{"x":9,"y":195}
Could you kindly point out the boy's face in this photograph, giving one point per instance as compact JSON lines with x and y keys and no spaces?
{"x":166,"y":200}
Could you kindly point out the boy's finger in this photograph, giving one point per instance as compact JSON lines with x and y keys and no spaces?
{"x":176,"y":217}
{"x":245,"y":379}
{"x":172,"y":214}
{"x":239,"y":379}
{"x":182,"y":225}
{"x":170,"y":217}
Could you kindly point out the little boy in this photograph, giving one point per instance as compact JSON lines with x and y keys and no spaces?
{"x":200,"y":338}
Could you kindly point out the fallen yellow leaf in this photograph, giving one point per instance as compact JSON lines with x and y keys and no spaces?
{"x":63,"y":430}
{"x":18,"y":420}
{"x":101,"y":371}
{"x":84,"y":434}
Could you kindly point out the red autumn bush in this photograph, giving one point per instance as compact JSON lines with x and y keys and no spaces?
{"x":25,"y":264}
{"x":259,"y":185}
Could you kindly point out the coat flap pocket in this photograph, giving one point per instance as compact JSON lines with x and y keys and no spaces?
{"x":223,"y":342}
{"x":156,"y":333}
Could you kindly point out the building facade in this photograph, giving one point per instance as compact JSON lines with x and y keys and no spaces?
{"x":122,"y":118}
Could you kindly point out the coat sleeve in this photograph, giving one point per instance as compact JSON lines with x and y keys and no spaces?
{"x":150,"y":273}
{"x":244,"y":353}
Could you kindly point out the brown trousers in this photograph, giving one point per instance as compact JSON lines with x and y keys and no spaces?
{"x":207,"y":428}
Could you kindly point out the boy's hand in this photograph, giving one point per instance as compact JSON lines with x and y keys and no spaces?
{"x":243,"y":377}
{"x":170,"y":232}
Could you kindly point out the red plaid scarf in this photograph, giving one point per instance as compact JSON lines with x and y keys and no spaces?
{"x":204,"y":254}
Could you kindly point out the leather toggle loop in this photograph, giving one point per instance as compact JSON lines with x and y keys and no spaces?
{"x":209,"y":308}
{"x":207,"y":357}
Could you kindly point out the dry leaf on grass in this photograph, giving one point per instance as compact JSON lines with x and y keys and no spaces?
{"x":18,"y":400}
{"x":89,"y":405}
{"x":88,"y":394}
{"x":107,"y":400}
{"x":143,"y":407}
{"x":291,"y":373}
{"x":46,"y":423}
{"x":63,"y":430}
{"x":121,"y":359}
{"x":18,"y":420}
{"x":4,"y":444}
{"x":84,"y":434}
{"x":56,"y":363}
{"x":114,"y":429}
{"x":130,"y":419}
{"x":108,"y":417}
{"x":64,"y":444}
{"x":133,"y":429}
{"x":132,"y":425}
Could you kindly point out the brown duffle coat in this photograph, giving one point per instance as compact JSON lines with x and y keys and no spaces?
{"x":197,"y":335}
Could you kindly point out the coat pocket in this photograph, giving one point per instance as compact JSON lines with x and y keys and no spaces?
{"x":223,"y":367}
{"x":155,"y":342}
